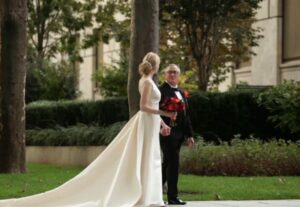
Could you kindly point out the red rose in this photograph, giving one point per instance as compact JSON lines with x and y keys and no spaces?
{"x":175,"y":100}
{"x":172,"y":104}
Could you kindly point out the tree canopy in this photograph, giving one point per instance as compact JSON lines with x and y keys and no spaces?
{"x":214,"y":33}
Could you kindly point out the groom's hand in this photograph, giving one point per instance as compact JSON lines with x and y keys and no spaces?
{"x":190,"y":142}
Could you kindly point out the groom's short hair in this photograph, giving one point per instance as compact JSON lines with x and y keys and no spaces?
{"x":172,"y":67}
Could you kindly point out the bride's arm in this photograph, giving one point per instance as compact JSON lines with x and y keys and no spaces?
{"x":145,"y":96}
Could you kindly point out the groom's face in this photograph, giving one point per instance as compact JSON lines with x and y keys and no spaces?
{"x":172,"y":76}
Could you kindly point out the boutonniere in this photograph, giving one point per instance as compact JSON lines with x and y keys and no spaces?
{"x":186,"y":94}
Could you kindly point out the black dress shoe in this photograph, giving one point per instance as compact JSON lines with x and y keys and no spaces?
{"x":176,"y":201}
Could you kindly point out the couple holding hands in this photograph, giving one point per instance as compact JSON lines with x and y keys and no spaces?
{"x":175,"y":122}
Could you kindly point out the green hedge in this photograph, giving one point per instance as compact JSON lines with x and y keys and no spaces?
{"x":251,"y":157}
{"x":48,"y":114}
{"x":79,"y":135}
{"x":215,"y":116}
{"x":219,"y":116}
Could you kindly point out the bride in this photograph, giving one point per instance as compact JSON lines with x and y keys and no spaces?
{"x":128,"y":172}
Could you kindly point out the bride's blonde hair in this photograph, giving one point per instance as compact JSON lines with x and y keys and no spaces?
{"x":150,"y":62}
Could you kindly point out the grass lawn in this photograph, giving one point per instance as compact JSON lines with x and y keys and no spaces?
{"x":40,"y":178}
{"x":238,"y":188}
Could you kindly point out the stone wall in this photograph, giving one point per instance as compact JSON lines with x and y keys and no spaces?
{"x":70,"y":155}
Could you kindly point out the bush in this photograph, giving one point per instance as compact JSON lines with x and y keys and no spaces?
{"x":79,"y":135}
{"x":112,"y":79}
{"x":283,"y":103}
{"x":242,"y":158}
{"x":47,"y":114}
{"x":50,"y":81}
{"x":250,"y":157}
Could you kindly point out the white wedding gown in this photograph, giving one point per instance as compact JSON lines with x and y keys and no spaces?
{"x":126,"y":174}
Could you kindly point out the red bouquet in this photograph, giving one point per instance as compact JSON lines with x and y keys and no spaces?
{"x":172,"y":104}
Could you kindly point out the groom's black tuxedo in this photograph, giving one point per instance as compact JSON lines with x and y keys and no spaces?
{"x":171,"y":144}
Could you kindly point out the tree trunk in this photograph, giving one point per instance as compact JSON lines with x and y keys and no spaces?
{"x":12,"y":85}
{"x":144,"y":39}
{"x":202,"y":76}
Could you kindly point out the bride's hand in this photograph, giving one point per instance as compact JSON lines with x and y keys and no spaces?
{"x":165,"y":130}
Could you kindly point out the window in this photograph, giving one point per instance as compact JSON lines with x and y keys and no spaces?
{"x":291,"y":30}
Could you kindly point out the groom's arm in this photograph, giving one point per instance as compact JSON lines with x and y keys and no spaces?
{"x":162,"y":98}
{"x":188,"y":131}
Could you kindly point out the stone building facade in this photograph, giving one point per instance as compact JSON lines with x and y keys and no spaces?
{"x":278,"y":53}
{"x":277,"y":59}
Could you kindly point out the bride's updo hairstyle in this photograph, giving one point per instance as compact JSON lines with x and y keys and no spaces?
{"x":150,"y":62}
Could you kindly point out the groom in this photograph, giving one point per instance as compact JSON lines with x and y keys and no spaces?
{"x":181,"y":129}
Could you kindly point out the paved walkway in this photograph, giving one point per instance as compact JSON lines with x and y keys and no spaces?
{"x":259,"y":203}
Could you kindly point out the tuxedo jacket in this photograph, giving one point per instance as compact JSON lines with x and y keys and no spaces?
{"x":183,"y":127}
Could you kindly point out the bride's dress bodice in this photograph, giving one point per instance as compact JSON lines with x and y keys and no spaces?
{"x":154,"y":95}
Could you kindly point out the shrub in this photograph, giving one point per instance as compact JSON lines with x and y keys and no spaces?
{"x":242,"y":158}
{"x":283,"y":102}
{"x":112,"y":79}
{"x":250,"y":157}
{"x":79,"y":135}
{"x":50,"y":81}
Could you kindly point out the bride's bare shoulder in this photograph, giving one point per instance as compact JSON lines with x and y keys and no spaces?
{"x":144,"y":80}
{"x":145,"y":83}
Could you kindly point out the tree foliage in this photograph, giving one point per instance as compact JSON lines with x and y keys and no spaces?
{"x":209,"y":34}
{"x":51,"y":82}
{"x":283,"y":102}
{"x":205,"y":38}
{"x":111,"y":80}
{"x":54,"y":26}
{"x":57,"y":31}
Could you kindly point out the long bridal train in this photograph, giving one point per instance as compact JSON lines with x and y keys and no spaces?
{"x":126,"y":174}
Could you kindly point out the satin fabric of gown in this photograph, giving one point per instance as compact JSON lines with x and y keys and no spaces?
{"x":126,"y":174}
